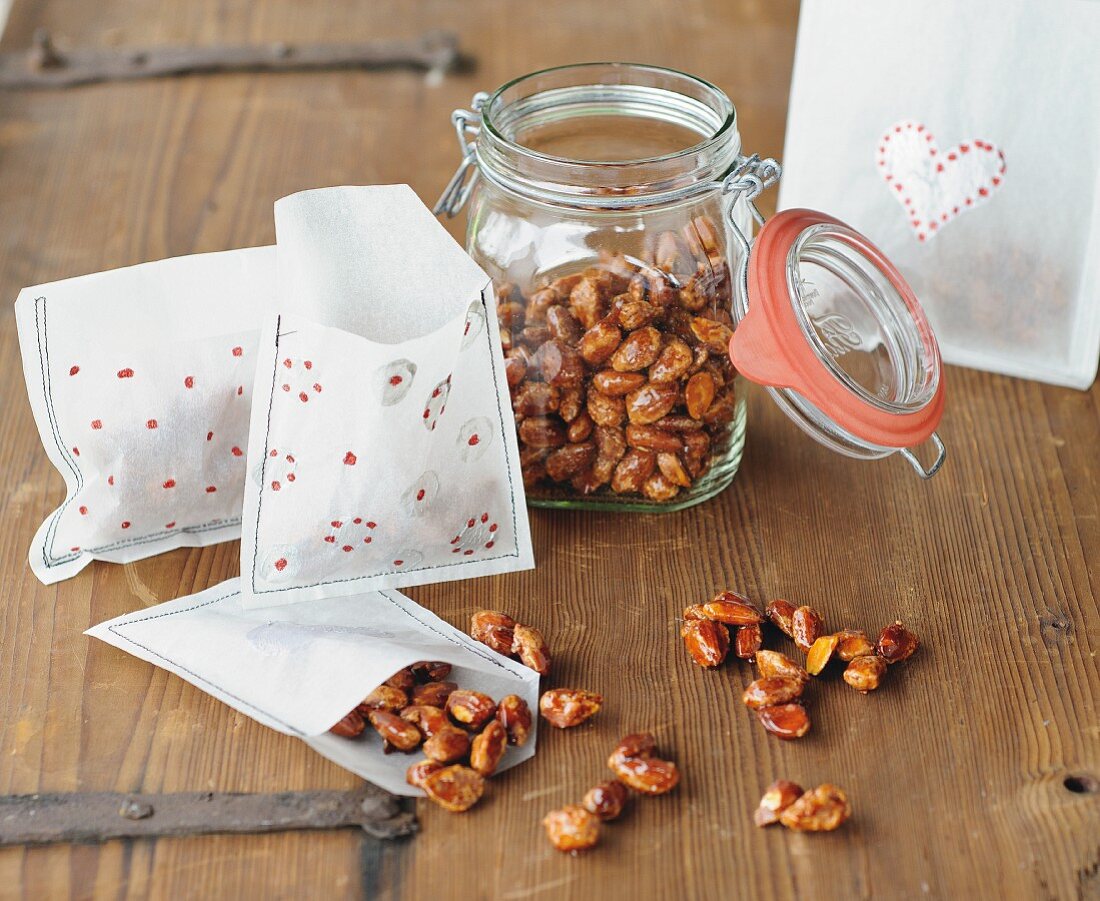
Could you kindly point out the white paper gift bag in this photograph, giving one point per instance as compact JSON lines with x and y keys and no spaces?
{"x":300,"y":669}
{"x":383,"y":452}
{"x":140,"y":380}
{"x":964,"y":139}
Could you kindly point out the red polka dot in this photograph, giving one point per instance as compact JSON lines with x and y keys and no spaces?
{"x":490,"y":544}
{"x":396,"y":380}
{"x":484,"y":517}
{"x":358,"y":520}
{"x":349,"y":459}
{"x":75,"y":548}
{"x":83,"y":511}
{"x":336,"y":524}
{"x":97,"y":424}
{"x":317,"y":387}
{"x":469,"y":523}
{"x":290,"y":458}
{"x":126,"y":373}
{"x":367,"y":540}
{"x":420,"y":495}
{"x":308,"y":364}
{"x":474,"y":440}
{"x":398,"y":562}
{"x":74,"y":370}
{"x":189,"y":382}
{"x":287,"y":363}
{"x":346,"y":548}
{"x":467,"y":553}
{"x":983,"y":192}
{"x":76,"y":451}
{"x":427,"y":413}
{"x":240,"y":390}
{"x":237,"y":351}
{"x":286,"y":387}
{"x":209,"y":435}
{"x":371,"y":525}
{"x":170,"y":483}
{"x":331,"y":539}
{"x":303,"y":397}
{"x":237,"y":452}
{"x":952,"y":156}
{"x":493,"y":527}
{"x":110,"y":480}
{"x":170,"y":525}
{"x":280,"y":564}
{"x":435,"y":393}
{"x":126,"y":524}
{"x":964,"y":148}
{"x":151,"y":424}
{"x":291,"y":477}
{"x":210,"y":489}
{"x":276,"y":486}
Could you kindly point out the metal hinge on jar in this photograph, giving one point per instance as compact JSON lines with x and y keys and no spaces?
{"x":467,"y":124}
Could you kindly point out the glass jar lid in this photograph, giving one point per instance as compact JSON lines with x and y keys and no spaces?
{"x":831,"y":328}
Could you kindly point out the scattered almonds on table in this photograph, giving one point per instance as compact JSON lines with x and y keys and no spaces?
{"x":820,"y":809}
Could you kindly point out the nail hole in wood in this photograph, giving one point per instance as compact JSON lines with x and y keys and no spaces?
{"x":1082,"y":784}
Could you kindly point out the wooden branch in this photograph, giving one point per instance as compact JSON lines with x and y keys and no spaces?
{"x":44,"y":66}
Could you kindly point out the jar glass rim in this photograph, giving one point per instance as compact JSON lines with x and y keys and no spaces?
{"x":718,"y":135}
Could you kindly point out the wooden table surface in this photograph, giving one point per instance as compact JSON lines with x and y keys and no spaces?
{"x":957,"y":769}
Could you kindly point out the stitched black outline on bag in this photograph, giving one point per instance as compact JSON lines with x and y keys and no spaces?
{"x":49,"y":558}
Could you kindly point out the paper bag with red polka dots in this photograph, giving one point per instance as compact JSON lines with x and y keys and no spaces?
{"x":140,"y":380}
{"x":383,"y":452}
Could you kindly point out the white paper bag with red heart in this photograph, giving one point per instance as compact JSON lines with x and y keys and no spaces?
{"x":964,"y":140}
{"x":383,"y":452}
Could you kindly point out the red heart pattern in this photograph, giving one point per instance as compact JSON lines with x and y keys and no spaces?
{"x":935,"y":186}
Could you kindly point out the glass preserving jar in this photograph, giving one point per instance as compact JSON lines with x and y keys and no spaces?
{"x":612,"y":208}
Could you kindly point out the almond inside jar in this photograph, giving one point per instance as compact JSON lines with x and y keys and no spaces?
{"x":620,"y":379}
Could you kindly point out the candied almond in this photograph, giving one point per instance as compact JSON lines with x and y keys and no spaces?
{"x":785,"y":721}
{"x":699,"y":394}
{"x":748,"y":641}
{"x":896,"y":643}
{"x":431,"y":670}
{"x":852,"y":643}
{"x":385,"y":697}
{"x":572,"y":828}
{"x":658,"y":488}
{"x":568,"y":707}
{"x":648,"y":775}
{"x":531,"y":649}
{"x":807,"y":625}
{"x":351,"y":726}
{"x":454,"y":788}
{"x":672,"y":363}
{"x":820,"y":653}
{"x":773,"y":663}
{"x":418,"y":772}
{"x":707,"y":642}
{"x":402,"y":680}
{"x":820,"y":809}
{"x":487,"y":748}
{"x":400,"y":733}
{"x":865,"y":673}
{"x":651,"y":403}
{"x":447,"y":744}
{"x":732,"y":609}
{"x":469,"y":708}
{"x":781,"y":613}
{"x":632,"y":470}
{"x":617,"y":384}
{"x":637,"y":744}
{"x":673,"y":469}
{"x":606,"y":800}
{"x":780,"y":795}
{"x":639,"y":350}
{"x":494,"y":629}
{"x":428,"y":720}
{"x":772,"y":691}
{"x":515,"y":716}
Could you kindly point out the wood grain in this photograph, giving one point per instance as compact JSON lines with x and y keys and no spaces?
{"x":956,"y":769}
